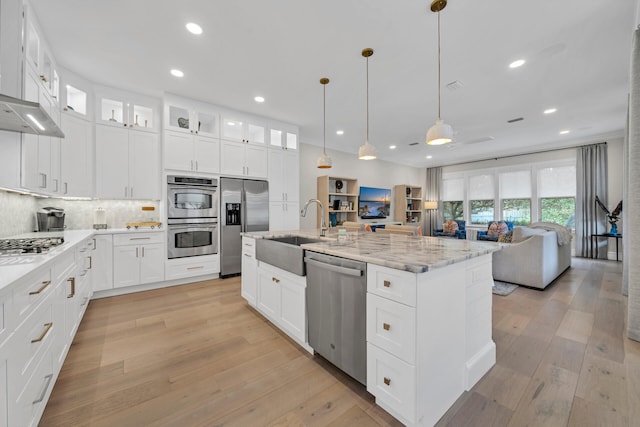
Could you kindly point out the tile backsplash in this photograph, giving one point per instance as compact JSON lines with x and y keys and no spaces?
{"x":18,"y":212}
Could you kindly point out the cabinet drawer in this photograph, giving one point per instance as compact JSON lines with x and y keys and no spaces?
{"x":393,"y":383}
{"x":249,"y":246}
{"x":31,"y":292}
{"x":191,"y":267}
{"x":6,"y":324}
{"x":63,"y":264}
{"x":29,"y":343}
{"x":137,"y":239}
{"x":29,"y":406}
{"x":392,"y":327}
{"x":396,"y":285}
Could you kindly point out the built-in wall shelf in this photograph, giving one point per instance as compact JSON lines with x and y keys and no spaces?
{"x":407,"y":201}
{"x":340,"y":197}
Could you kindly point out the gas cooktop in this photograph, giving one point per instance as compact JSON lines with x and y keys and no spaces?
{"x":29,"y":246}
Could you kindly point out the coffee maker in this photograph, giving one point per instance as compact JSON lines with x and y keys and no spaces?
{"x":50,"y":219}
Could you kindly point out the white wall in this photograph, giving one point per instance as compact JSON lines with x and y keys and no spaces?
{"x":371,"y":173}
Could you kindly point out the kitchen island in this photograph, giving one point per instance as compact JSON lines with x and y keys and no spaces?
{"x":428,"y":314}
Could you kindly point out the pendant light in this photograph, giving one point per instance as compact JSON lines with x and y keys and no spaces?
{"x":440,"y":133}
{"x":324,"y":161}
{"x":367,"y":151}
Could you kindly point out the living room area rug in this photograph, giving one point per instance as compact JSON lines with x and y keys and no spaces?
{"x":503,"y":288}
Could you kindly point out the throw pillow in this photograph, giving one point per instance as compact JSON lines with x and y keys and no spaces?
{"x":497,"y":228}
{"x":506,"y":237}
{"x":521,"y":234}
{"x":450,"y":227}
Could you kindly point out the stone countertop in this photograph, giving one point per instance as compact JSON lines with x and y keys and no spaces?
{"x":13,"y":268}
{"x":409,"y":253}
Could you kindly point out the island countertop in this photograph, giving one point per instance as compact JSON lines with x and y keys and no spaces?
{"x":409,"y":253}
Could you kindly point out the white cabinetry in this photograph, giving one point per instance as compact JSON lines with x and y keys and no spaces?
{"x":76,"y":157}
{"x":236,"y":127}
{"x":191,"y":152}
{"x":40,"y":154}
{"x":138,"y":259}
{"x":181,"y":268}
{"x":282,"y":136}
{"x":281,"y":297}
{"x":284,"y":183}
{"x":192,"y":117}
{"x":249,"y":270}
{"x":103,"y":262}
{"x":127,"y":163}
{"x":428,"y":337}
{"x":126,"y":110}
{"x":243,"y":159}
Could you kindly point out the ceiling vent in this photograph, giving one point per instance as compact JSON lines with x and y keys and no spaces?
{"x":455,"y":85}
{"x":515,"y":120}
{"x":479,"y":140}
{"x":413,"y":143}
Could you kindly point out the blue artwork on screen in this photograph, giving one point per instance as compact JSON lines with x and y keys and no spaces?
{"x":374,"y":202}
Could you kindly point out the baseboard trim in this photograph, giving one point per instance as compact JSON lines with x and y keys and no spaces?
{"x":480,"y":364}
{"x":150,"y":286}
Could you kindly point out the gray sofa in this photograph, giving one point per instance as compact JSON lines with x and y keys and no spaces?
{"x":534,"y":261}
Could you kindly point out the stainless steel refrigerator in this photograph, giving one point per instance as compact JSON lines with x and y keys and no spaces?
{"x":244,"y":207}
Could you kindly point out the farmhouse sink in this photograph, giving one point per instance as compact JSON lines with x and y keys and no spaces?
{"x":284,"y":252}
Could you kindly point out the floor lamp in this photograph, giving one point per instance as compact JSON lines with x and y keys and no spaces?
{"x":431,"y":207}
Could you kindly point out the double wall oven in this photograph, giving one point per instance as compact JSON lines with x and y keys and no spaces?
{"x":192,"y":211}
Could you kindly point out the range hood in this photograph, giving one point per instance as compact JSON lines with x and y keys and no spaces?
{"x":27,"y":117}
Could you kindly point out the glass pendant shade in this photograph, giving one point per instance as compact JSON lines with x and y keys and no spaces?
{"x":324,"y":162}
{"x":440,"y":133}
{"x":367,"y":152}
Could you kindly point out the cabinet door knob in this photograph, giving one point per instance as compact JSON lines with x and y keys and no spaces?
{"x":275,"y":280}
{"x":387,"y":381}
{"x":387,"y":284}
{"x":386,"y":326}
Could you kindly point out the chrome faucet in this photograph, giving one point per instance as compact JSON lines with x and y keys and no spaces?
{"x":303,"y":213}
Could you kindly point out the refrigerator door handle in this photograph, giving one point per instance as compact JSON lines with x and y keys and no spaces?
{"x":243,"y":210}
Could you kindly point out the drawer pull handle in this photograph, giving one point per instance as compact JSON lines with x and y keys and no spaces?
{"x":386,"y":326}
{"x":42,"y":288}
{"x":387,"y":284}
{"x":48,"y":377}
{"x":47,"y":327}
{"x":140,"y":238}
{"x":248,"y":244}
{"x":248,"y":255}
{"x":195,"y":268}
{"x":90,"y":263}
{"x":275,"y":280}
{"x":73,"y":287}
{"x":387,"y":381}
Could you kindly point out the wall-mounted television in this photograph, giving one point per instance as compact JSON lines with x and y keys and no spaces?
{"x":374,"y":202}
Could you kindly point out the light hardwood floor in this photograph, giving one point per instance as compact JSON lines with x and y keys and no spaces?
{"x":197,"y":355}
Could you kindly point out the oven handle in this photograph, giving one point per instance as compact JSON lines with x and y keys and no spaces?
{"x":192,"y":226}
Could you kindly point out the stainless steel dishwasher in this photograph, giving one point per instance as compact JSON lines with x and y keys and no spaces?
{"x":336,"y":311}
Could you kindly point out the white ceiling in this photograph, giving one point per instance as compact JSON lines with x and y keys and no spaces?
{"x":577,"y":53}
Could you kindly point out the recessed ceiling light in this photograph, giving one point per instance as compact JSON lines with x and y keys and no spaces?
{"x":259,"y":99}
{"x":564,"y":132}
{"x":194,"y":28}
{"x":392,"y":147}
{"x":339,"y":132}
{"x":550,"y":110}
{"x":518,"y":63}
{"x":177,"y":73}
{"x":429,"y":157}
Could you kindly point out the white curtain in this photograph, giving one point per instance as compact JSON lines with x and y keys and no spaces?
{"x":432,"y":193}
{"x":591,"y":181}
{"x":631,"y":253}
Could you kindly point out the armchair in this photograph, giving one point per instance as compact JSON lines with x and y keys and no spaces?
{"x":452,"y":228}
{"x":494,"y":230}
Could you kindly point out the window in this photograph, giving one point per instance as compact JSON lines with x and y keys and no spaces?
{"x":481,"y":195}
{"x":557,"y":190}
{"x":453,"y":196}
{"x":515,"y":192}
{"x":517,"y":210}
